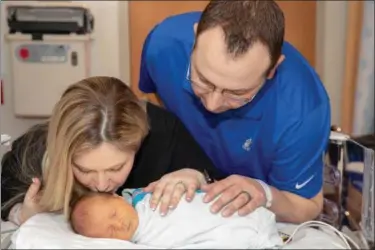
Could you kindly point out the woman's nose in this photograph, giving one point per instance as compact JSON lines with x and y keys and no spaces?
{"x":102,"y":183}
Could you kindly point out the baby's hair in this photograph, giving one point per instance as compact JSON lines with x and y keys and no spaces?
{"x":79,"y":217}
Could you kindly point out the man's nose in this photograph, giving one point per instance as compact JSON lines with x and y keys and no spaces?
{"x":214,"y":101}
{"x":102,"y":183}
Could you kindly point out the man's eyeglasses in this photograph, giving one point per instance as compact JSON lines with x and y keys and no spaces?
{"x":202,"y":88}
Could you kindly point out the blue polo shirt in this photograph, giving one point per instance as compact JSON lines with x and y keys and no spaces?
{"x":279,"y":137}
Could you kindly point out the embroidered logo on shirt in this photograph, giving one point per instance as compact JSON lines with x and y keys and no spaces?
{"x":247,"y":144}
{"x":299,"y":186}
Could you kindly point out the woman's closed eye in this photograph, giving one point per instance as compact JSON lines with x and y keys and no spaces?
{"x":83,"y":171}
{"x":109,"y":170}
{"x":88,"y":171}
{"x":117,"y":168}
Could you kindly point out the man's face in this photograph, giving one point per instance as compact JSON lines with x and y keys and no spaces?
{"x":221,"y":81}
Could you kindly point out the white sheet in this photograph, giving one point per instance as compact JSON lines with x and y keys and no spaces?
{"x":46,"y":231}
{"x":7,"y":229}
{"x":309,"y":238}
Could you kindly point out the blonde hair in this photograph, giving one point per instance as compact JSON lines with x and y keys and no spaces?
{"x":90,"y":112}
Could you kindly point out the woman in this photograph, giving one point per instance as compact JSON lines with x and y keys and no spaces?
{"x":100,"y":138}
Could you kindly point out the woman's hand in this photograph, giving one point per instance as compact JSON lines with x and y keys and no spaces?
{"x":171,"y":187}
{"x":30,"y":206}
{"x":235,"y":193}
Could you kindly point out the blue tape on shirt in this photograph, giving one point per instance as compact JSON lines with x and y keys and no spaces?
{"x":139,"y":194}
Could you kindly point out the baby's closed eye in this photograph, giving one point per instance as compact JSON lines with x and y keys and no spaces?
{"x":113,"y":215}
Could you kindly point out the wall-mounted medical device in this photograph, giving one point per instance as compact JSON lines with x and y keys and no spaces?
{"x":49,"y":20}
{"x":50,"y":47}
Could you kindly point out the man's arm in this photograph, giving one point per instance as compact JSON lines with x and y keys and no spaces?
{"x":292,"y":208}
{"x":297,"y":172}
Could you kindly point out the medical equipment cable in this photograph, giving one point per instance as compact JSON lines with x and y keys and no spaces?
{"x":346,"y":239}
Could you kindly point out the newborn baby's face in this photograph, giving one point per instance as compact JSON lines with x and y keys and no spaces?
{"x":104,"y":216}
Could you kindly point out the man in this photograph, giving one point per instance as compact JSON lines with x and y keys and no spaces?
{"x":250,"y":99}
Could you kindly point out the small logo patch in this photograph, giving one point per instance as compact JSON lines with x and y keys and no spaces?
{"x":247,"y":144}
{"x":299,"y":186}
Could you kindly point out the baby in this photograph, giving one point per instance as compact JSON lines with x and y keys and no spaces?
{"x":190,"y":225}
{"x":100,"y":215}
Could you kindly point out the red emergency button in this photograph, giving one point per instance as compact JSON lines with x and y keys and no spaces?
{"x":24,"y":53}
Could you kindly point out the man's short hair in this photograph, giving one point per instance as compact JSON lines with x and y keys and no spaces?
{"x":244,"y":23}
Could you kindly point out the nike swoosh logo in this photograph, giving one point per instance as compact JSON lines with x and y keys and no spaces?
{"x":299,"y":186}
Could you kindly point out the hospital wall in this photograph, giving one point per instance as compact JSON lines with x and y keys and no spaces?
{"x":110,"y":55}
{"x":330,"y":50}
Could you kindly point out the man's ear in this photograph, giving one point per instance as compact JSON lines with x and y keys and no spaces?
{"x":195,"y":26}
{"x":273,"y":70}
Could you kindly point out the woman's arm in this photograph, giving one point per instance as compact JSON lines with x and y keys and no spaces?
{"x":22,"y":163}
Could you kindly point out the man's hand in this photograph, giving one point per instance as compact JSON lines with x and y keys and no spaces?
{"x":237,"y":193}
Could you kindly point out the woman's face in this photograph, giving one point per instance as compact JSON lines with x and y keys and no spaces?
{"x":104,"y":168}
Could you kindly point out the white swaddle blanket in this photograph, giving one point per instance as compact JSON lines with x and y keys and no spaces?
{"x":192,"y":225}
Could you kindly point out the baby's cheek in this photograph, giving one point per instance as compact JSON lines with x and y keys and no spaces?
{"x":95,"y":232}
{"x":124,"y":230}
{"x":102,"y":227}
{"x":104,"y":232}
{"x":122,"y":235}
